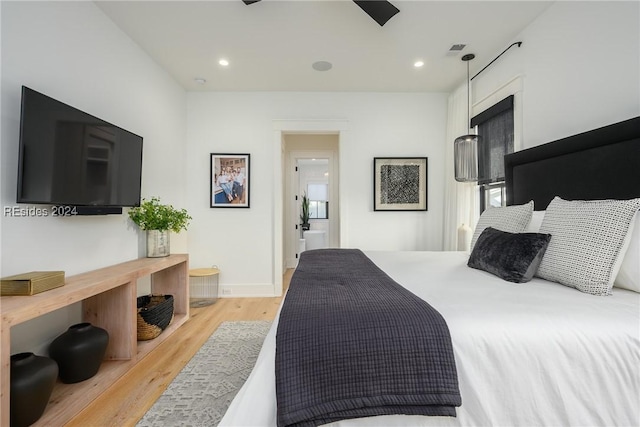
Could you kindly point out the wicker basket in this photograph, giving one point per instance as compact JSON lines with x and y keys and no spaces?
{"x":155,"y":312}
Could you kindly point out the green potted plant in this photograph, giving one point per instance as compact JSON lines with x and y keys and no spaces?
{"x":304,"y":214}
{"x":158,"y":220}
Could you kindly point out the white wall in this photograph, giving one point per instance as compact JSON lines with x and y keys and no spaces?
{"x":580,"y":63}
{"x":73,"y":53}
{"x":379,"y":125}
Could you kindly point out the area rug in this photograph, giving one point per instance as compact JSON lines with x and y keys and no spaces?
{"x":201,"y":393}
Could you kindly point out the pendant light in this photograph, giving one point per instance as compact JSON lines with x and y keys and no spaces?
{"x":465,"y":147}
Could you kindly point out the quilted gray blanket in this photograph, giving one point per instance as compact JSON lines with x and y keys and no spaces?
{"x":353,"y":343}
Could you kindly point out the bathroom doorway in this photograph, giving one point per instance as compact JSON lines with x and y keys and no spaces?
{"x":311,"y":169}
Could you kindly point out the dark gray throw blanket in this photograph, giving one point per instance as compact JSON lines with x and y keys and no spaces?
{"x":353,"y":343}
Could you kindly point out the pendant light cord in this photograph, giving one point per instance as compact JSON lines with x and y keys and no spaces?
{"x":468,"y":99}
{"x":494,"y":59}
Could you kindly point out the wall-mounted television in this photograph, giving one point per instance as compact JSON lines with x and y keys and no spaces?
{"x":70,"y":158}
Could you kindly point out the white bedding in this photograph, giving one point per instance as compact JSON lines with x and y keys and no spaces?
{"x":528,"y":354}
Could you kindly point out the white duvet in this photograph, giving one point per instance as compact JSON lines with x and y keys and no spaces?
{"x":533,"y":354}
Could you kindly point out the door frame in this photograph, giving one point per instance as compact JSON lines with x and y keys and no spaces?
{"x":293,"y":185}
{"x":281,"y":127}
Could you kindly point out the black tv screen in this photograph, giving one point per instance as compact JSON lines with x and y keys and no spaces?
{"x":69,"y":157}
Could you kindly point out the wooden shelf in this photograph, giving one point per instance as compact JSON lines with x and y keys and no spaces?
{"x":108,"y":297}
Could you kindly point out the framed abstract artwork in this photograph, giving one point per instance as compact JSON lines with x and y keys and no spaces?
{"x":229,"y":180}
{"x":400,"y":184}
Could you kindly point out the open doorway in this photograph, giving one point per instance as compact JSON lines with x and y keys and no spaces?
{"x":281,"y":128}
{"x":311,"y":169}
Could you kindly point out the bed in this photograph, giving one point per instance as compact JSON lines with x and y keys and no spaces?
{"x":545,"y":351}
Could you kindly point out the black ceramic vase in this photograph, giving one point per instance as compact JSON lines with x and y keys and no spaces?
{"x":32,"y":381}
{"x":79,"y":352}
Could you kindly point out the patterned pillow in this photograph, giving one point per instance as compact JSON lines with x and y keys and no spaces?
{"x":514,"y":257}
{"x":588,"y":242}
{"x":513,"y":219}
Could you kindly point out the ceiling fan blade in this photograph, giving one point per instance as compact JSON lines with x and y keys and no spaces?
{"x":380,"y":10}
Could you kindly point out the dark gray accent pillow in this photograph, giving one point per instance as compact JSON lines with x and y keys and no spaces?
{"x":514,"y":257}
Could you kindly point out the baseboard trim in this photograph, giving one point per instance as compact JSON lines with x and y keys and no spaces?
{"x":258,"y":290}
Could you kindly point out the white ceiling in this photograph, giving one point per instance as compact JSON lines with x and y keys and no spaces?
{"x":272,"y":44}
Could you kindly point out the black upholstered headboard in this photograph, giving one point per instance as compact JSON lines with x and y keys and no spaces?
{"x":603,"y":163}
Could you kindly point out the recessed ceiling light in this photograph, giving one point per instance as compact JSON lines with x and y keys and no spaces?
{"x":200,"y":80}
{"x":223,"y":62}
{"x":322,"y":65}
{"x":418,"y":64}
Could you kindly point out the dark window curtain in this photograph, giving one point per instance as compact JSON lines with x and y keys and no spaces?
{"x":495,"y":127}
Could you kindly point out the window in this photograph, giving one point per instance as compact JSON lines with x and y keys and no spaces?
{"x":492,"y":195}
{"x":318,"y":203}
{"x":318,"y":209}
{"x":496,"y":130}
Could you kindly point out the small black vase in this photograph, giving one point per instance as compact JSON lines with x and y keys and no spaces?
{"x":79,"y":352}
{"x":32,"y":381}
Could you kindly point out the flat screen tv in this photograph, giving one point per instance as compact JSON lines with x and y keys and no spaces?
{"x":70,"y":158}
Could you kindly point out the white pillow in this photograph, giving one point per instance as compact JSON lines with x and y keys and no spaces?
{"x":587,"y":242}
{"x":629,"y":274}
{"x":536,"y":222}
{"x":513,"y":219}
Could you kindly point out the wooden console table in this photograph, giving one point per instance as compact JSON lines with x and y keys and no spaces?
{"x":108,"y":297}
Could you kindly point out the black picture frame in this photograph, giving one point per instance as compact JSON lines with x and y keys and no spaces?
{"x":229,"y":180}
{"x":400,"y":183}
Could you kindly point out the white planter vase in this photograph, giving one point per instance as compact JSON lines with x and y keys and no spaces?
{"x":157,"y":243}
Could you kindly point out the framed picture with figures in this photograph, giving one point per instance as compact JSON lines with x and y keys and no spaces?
{"x":229,"y":180}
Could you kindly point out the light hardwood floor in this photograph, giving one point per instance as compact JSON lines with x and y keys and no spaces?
{"x":126,"y":401}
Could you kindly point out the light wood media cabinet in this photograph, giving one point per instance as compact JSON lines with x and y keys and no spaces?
{"x":108,"y":297}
